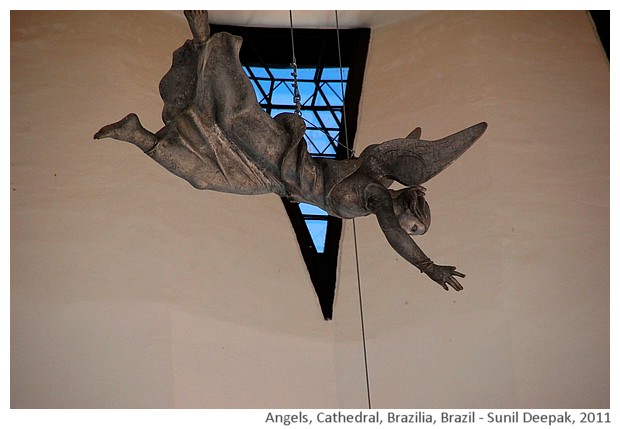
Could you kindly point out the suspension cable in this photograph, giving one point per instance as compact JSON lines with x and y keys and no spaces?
{"x":357,"y":263}
{"x":296,"y":95}
{"x":344,"y":109}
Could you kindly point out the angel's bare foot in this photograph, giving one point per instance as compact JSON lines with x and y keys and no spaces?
{"x":129,"y":129}
{"x":198,"y":21}
{"x":121,"y":129}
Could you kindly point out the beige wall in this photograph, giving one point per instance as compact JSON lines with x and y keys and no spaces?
{"x":524,"y":213}
{"x":131,"y":289}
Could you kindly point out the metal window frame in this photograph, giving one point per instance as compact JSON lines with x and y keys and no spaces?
{"x":314,"y":48}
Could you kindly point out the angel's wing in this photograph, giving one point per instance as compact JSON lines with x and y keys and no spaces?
{"x":412,"y":161}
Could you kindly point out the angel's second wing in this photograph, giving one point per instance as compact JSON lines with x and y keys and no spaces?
{"x":412,"y":161}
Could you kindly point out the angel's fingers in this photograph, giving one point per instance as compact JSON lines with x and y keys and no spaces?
{"x":455,"y":284}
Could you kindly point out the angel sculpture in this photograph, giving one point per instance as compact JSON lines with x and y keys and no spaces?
{"x":217,"y":137}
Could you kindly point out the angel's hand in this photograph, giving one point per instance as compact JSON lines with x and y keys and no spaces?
{"x":444,"y":275}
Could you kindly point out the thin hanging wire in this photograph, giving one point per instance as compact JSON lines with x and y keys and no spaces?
{"x":359,"y":293}
{"x":344,"y":111}
{"x":296,"y":95}
{"x":357,"y":262}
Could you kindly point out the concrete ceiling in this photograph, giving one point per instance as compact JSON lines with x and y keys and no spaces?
{"x":308,"y":18}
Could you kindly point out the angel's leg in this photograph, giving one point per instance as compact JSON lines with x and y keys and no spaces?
{"x":198,"y":21}
{"x":176,"y":158}
{"x":172,"y":151}
{"x":129,"y":129}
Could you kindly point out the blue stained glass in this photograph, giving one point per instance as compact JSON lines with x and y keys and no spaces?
{"x":306,"y":90}
{"x":320,"y":99}
{"x":266,"y":87}
{"x":282,"y":94}
{"x":282,"y":73}
{"x":310,"y":120}
{"x":333,"y":73}
{"x":313,"y":148}
{"x":260,"y":72}
{"x":334,"y":134}
{"x":309,"y":209}
{"x":330,"y":149}
{"x":305,"y":73}
{"x":318,"y":232}
{"x":328,"y":119}
{"x":277,"y":89}
{"x":320,"y":142}
{"x":333,"y":92}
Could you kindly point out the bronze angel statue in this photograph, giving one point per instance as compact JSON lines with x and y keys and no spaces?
{"x":217,"y":137}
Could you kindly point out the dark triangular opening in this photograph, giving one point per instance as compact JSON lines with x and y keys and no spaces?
{"x":322,"y":266}
{"x":318,"y":59}
{"x":601,"y":23}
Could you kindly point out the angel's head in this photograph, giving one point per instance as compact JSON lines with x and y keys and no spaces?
{"x":412,"y":210}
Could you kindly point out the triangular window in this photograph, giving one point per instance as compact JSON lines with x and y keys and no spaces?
{"x":266,"y":57}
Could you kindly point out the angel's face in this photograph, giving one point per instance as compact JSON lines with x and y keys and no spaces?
{"x":412,"y":211}
{"x":410,"y":223}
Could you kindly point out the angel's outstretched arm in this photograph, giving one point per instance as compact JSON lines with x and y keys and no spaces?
{"x":380,"y":203}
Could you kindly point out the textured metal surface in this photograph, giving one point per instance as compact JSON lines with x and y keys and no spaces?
{"x":217,"y":137}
